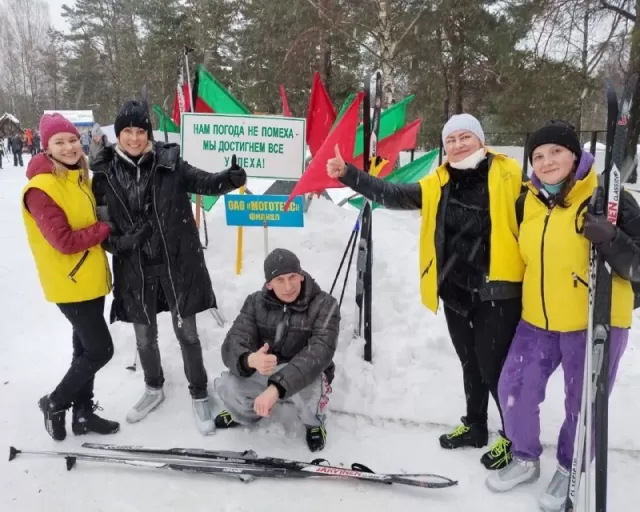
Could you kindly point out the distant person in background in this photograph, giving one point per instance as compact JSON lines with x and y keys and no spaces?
{"x":86,"y":142}
{"x":64,"y":234}
{"x":17,"y":144}
{"x":469,"y":259}
{"x":98,"y":142}
{"x":143,"y":188}
{"x":1,"y":152}
{"x":36,"y":144}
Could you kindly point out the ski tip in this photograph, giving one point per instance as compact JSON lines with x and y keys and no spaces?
{"x":13,"y":453}
{"x":71,"y":462}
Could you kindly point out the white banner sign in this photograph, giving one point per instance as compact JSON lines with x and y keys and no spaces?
{"x":265,"y":146}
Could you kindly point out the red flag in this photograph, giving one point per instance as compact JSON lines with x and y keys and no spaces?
{"x":315,"y":177}
{"x":320,"y":116}
{"x":285,"y":103}
{"x":181,"y":101}
{"x":390,"y":147}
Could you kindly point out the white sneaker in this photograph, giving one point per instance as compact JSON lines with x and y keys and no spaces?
{"x":203,"y":416}
{"x":151,"y":399}
{"x":517,"y":472}
{"x":554,"y":498}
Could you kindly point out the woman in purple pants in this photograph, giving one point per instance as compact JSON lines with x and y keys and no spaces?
{"x":557,"y":225}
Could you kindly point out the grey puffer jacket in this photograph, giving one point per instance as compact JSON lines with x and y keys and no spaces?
{"x":307,"y":336}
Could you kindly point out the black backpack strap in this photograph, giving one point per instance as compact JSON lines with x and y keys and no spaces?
{"x":520,"y":206}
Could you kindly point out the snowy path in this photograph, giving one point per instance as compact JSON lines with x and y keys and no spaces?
{"x":416,"y":377}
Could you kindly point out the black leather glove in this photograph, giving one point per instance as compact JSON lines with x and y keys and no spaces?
{"x":133,"y":239}
{"x":237,"y":175}
{"x":597,"y":229}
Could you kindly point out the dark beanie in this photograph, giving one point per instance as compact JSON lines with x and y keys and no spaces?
{"x":133,"y":115}
{"x":280,"y":262}
{"x":561,"y":133}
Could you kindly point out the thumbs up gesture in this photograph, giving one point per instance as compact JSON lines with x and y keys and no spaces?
{"x":263,"y":362}
{"x":336,"y":167}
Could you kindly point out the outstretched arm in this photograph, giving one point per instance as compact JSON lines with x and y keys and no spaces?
{"x":391,"y":195}
{"x":205,"y":183}
{"x":395,"y":196}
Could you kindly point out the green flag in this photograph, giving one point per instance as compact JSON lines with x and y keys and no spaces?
{"x":410,"y":173}
{"x":212,"y":96}
{"x":166,"y":123}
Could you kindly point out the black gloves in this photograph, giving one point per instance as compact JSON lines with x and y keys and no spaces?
{"x":237,"y":175}
{"x":597,"y":229}
{"x":133,"y":239}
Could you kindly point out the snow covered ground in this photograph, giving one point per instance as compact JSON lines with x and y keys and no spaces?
{"x":387,"y":415}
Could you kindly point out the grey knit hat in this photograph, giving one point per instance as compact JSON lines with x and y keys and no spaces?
{"x":463,"y":122}
{"x":280,"y":262}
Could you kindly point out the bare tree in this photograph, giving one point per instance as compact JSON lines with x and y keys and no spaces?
{"x":24,"y":22}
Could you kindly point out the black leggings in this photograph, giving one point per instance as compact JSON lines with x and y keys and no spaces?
{"x":482,"y":340}
{"x":92,"y":349}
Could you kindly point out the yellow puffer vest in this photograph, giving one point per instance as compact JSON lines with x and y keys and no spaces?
{"x":505,"y":182}
{"x":68,"y":277}
{"x":555,"y":287}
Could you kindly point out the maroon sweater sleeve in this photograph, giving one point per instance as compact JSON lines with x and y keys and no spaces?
{"x":54,"y":226}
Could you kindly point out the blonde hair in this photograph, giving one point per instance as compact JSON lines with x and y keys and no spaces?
{"x":60,"y":170}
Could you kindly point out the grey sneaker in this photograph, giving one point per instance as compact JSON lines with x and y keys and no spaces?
{"x":203,"y":416}
{"x":517,"y":472}
{"x":151,"y":399}
{"x":555,"y":496}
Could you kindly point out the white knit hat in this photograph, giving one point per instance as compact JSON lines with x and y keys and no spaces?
{"x":463,"y":122}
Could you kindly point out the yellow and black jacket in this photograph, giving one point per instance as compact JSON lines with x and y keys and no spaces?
{"x":556,"y":255}
{"x":503,"y":279}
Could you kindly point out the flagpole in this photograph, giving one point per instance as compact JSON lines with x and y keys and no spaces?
{"x":191,"y":106}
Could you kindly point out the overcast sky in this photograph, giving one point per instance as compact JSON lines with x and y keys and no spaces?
{"x":55,"y":11}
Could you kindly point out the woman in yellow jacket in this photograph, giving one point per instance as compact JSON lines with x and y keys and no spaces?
{"x":59,"y":213}
{"x":555,"y":233}
{"x":469,"y":258}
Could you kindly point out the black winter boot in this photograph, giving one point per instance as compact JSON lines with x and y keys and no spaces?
{"x":54,"y":418}
{"x":499,"y":455}
{"x":85,"y":421}
{"x":316,"y":438}
{"x":224,"y":420}
{"x":472,"y":435}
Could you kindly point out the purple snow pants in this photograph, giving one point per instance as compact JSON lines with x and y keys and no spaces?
{"x":534,"y":355}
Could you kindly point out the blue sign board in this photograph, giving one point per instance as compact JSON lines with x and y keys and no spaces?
{"x":266,"y":210}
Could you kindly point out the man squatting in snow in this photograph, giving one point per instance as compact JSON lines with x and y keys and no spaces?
{"x":281,"y":348}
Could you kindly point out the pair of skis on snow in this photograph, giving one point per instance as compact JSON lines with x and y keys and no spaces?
{"x":595,"y":390}
{"x":245,"y":465}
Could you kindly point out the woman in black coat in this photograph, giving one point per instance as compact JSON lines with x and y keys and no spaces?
{"x":142,"y":188}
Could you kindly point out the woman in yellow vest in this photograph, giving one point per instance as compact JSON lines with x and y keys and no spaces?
{"x":64,"y":234}
{"x":469,"y":258}
{"x":557,"y":227}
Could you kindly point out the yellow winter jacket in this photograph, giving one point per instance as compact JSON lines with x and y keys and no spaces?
{"x":555,"y":286}
{"x":506,"y":266}
{"x":67,"y":278}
